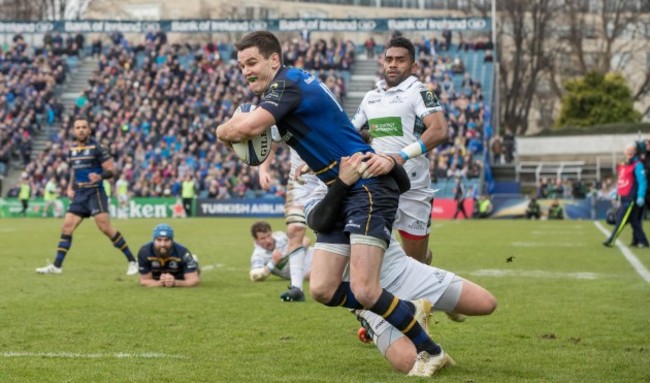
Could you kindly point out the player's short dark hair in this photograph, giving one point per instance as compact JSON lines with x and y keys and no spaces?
{"x":81,"y":118}
{"x":260,"y":227}
{"x":265,"y":41}
{"x":402,"y":42}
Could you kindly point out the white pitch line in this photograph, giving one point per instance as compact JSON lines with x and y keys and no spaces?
{"x":547,"y":244}
{"x":532,"y":274}
{"x":74,"y":355}
{"x":627,"y":253}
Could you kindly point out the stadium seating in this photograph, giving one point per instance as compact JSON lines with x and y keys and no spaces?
{"x":156,"y":106}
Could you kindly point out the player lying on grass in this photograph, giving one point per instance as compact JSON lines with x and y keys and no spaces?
{"x":401,"y":275}
{"x":165,"y":263}
{"x":270,"y":256}
{"x":294,"y":215}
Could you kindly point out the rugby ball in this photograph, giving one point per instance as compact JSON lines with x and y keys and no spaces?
{"x":254,"y":150}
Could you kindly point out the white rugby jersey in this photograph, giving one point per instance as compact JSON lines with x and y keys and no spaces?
{"x":296,"y":161}
{"x":261,"y":256}
{"x":391,"y":116}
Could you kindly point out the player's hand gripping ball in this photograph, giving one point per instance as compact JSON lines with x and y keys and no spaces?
{"x":256,"y":149}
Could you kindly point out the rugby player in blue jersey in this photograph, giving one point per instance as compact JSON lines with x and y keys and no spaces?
{"x":91,"y":164}
{"x":312,"y":122}
{"x":164,"y":262}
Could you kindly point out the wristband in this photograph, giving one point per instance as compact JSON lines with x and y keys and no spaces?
{"x":413,"y":150}
{"x":107,"y":174}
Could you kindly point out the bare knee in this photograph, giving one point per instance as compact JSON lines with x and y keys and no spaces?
{"x":365,"y":294}
{"x":401,"y":354}
{"x":489,"y":304}
{"x":321,"y":293}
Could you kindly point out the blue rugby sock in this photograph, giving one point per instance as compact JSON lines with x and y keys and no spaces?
{"x":343,"y":297}
{"x":65,"y":242}
{"x":120,"y":243}
{"x":400,"y":314}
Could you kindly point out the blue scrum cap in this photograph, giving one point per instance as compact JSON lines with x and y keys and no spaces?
{"x":163,"y":230}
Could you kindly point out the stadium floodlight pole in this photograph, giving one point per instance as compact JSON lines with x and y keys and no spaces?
{"x":495,"y":82}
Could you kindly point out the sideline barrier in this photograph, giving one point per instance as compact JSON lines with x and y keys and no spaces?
{"x":275,"y":25}
{"x":505,"y":206}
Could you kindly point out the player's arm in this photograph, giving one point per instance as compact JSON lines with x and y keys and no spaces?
{"x":70,"y":190}
{"x":427,"y":107}
{"x":147,"y":280}
{"x":265,"y":168}
{"x":108,"y":167}
{"x":437,"y":131}
{"x":192,"y":279}
{"x":243,"y":126}
{"x":324,"y":213}
{"x":259,"y":269}
{"x":360,"y":118}
{"x":190,"y":272}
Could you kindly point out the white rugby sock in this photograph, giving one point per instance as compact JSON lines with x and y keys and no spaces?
{"x":296,"y":261}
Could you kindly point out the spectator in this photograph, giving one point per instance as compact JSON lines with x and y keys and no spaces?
{"x":484,"y":206}
{"x":459,"y":197}
{"x":533,"y":210}
{"x":370,"y":47}
{"x":509,"y":146}
{"x":25,"y":194}
{"x":555,"y":211}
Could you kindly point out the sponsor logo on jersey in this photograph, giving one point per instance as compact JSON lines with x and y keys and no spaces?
{"x":275,"y":91}
{"x":397,"y":100}
{"x":430,"y":99}
{"x":385,"y":127}
{"x":374,"y":101}
{"x":287,"y":136}
{"x":352,"y":224}
{"x":418,"y":225}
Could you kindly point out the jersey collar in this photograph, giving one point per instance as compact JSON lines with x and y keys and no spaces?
{"x":401,"y":87}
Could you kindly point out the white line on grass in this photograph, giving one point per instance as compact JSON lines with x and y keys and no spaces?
{"x":546,"y":244}
{"x":627,"y":253}
{"x":74,"y":355}
{"x":532,"y":274}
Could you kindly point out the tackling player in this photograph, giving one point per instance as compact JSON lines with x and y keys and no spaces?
{"x":91,"y":164}
{"x":403,"y":276}
{"x":165,"y":263}
{"x":311,"y":121}
{"x":406,"y":121}
{"x":270,"y":256}
{"x":295,"y":219}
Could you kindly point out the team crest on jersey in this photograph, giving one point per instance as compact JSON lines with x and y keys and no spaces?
{"x":397,"y":100}
{"x":275,"y":91}
{"x":430,"y":99}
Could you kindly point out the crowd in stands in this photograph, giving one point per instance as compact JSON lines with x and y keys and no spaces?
{"x":156,"y":105}
{"x":29,"y":80}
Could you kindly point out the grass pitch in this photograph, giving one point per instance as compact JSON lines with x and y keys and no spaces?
{"x":569,"y":310}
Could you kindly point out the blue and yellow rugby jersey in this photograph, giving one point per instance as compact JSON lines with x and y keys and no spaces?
{"x":311,"y":121}
{"x":85,"y":159}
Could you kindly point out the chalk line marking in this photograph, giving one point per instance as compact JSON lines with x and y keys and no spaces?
{"x":533,"y":274}
{"x":628,"y":254}
{"x":546,"y":244}
{"x":75,"y":355}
